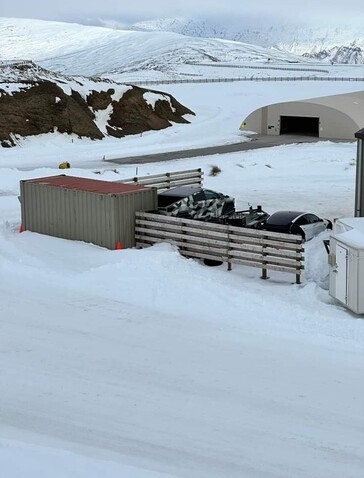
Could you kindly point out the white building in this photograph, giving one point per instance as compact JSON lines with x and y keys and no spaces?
{"x":331,"y":117}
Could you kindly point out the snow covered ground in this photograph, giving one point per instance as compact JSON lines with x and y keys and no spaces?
{"x":144,"y":364}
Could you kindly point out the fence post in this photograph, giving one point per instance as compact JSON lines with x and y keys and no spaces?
{"x":264,"y":254}
{"x":229,"y":268}
{"x":200,"y":172}
{"x":298,"y":279}
{"x":183,"y":248}
{"x":298,"y":270}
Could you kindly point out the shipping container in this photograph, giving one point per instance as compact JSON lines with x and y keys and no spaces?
{"x":89,"y":210}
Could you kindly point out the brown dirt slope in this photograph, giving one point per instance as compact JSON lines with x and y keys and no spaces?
{"x":42,"y":106}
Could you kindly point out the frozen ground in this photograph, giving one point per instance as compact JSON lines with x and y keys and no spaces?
{"x":143,"y":364}
{"x":146,"y":359}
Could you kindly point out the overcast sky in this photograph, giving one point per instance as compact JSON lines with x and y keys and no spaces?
{"x":134,"y":10}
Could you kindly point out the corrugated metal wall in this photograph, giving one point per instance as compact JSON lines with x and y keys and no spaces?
{"x":126,"y":207}
{"x":102,"y":219}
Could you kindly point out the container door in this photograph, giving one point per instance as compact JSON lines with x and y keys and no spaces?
{"x":341,"y":273}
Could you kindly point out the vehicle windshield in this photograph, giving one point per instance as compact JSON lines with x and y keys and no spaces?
{"x":176,"y":194}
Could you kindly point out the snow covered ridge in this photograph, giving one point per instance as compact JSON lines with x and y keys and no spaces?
{"x":35,"y":101}
{"x":340,"y":43}
{"x":351,"y":54}
{"x":94,"y":51}
{"x":171,"y":49}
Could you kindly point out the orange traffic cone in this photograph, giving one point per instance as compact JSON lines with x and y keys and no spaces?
{"x":118,"y":246}
{"x":21,"y":228}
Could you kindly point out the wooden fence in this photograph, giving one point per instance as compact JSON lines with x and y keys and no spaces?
{"x":190,"y":177}
{"x":234,"y":245}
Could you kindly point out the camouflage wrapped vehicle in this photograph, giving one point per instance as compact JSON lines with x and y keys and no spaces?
{"x":194,"y":203}
{"x":207,"y":205}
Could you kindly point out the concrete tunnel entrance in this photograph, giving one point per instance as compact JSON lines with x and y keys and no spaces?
{"x":301,"y":125}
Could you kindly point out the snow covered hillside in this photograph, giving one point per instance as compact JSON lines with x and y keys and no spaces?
{"x":341,"y":43}
{"x":134,"y":56}
{"x":94,"y":51}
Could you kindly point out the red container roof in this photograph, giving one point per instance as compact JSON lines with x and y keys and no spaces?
{"x":89,"y":185}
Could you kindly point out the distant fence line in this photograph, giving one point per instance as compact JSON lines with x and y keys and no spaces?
{"x":242,"y":78}
{"x":15,"y":62}
{"x":5,"y":63}
{"x":260,"y":67}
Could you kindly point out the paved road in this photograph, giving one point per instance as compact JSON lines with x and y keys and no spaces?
{"x":257,"y":141}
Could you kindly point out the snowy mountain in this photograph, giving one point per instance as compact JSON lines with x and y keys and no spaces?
{"x":74,"y":49}
{"x":341,"y":43}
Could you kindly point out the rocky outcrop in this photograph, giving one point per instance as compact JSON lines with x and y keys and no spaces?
{"x":44,"y":105}
{"x":351,"y":54}
{"x":133,"y":115}
{"x":44,"y":108}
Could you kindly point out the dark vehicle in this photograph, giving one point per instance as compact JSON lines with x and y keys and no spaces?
{"x":194,"y":203}
{"x":294,"y":222}
{"x":252,"y":217}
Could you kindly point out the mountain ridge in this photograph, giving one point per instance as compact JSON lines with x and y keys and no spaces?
{"x":74,"y":49}
{"x":341,"y":43}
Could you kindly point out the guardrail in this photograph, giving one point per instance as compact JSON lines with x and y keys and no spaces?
{"x":242,"y":78}
{"x":224,"y":243}
{"x":190,"y":177}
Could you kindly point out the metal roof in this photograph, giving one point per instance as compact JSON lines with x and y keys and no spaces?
{"x":89,"y":185}
{"x":351,"y":104}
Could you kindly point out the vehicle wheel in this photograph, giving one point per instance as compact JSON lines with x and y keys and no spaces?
{"x":212,"y":263}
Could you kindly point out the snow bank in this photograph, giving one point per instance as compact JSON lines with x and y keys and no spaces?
{"x":20,"y":460}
